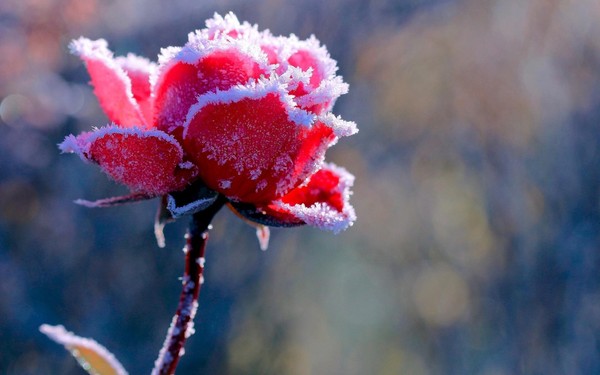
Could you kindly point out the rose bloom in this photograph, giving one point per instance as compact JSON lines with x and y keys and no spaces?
{"x":237,"y":112}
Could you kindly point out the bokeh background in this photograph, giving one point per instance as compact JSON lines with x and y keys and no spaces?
{"x":476,"y":249}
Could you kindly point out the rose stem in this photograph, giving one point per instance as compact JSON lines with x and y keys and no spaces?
{"x":182,"y":325}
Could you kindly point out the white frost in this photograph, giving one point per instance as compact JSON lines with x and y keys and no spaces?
{"x":224,"y":184}
{"x":341,"y":128}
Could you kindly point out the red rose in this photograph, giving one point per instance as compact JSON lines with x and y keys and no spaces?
{"x":239,"y":111}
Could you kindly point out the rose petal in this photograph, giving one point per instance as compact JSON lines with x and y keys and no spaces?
{"x":229,"y":26}
{"x":140,"y":70}
{"x":323,"y":202}
{"x":310,"y":55}
{"x":111,"y":83}
{"x":341,"y":128}
{"x":145,"y":161}
{"x":202,"y":66}
{"x":251,"y":143}
{"x":322,"y":98}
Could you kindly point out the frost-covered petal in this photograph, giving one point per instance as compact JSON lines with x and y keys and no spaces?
{"x":309,"y":55}
{"x":340,"y":127}
{"x":322,"y":98}
{"x":112,"y":85}
{"x":322,"y":202}
{"x":146,"y":161}
{"x":202,"y":65}
{"x":252,"y":143}
{"x":140,"y":70}
{"x":226,"y":26}
{"x":309,"y":64}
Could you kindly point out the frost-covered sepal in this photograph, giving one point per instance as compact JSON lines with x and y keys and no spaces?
{"x":322,"y":202}
{"x":193,"y":199}
{"x":114,"y":201}
{"x":261,"y":217}
{"x":93,"y":357}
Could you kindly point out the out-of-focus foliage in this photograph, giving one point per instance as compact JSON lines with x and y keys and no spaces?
{"x":476,"y":248}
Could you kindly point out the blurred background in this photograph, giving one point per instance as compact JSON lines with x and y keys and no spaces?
{"x":476,"y":249}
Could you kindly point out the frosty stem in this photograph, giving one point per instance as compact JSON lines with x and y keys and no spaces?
{"x":182,"y":325}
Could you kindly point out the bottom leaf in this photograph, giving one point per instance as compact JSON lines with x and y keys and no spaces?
{"x":93,"y":357}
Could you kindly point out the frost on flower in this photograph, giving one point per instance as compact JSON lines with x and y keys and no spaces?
{"x":237,"y":111}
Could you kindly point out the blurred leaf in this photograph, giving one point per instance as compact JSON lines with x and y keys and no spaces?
{"x":93,"y":357}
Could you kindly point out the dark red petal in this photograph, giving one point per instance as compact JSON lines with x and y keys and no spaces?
{"x":182,"y":83}
{"x":111,"y":84}
{"x":145,"y":161}
{"x":322,"y":202}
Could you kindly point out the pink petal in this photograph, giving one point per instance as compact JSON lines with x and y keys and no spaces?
{"x":322,"y":202}
{"x":140,"y":70}
{"x":112,"y":85}
{"x":271,"y":52}
{"x":146,"y":161}
{"x":341,"y":128}
{"x":313,"y":81}
{"x":310,"y":55}
{"x":230,"y":26}
{"x":252,"y":144}
{"x":202,"y":66}
{"x":323,"y":97}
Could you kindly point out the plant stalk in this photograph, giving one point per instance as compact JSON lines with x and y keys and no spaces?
{"x":182,"y":325}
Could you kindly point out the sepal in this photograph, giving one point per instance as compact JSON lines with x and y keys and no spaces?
{"x":258,"y":216}
{"x":193,"y":199}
